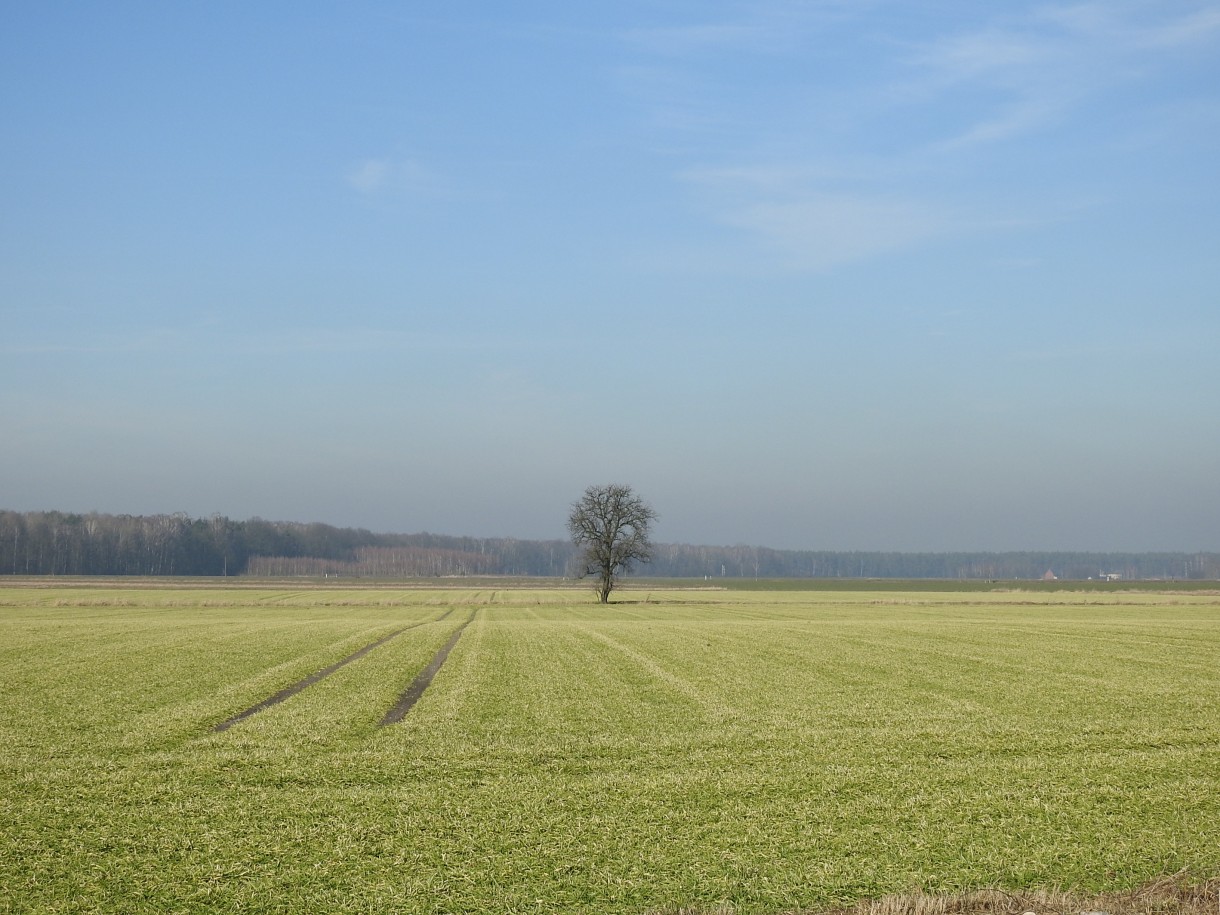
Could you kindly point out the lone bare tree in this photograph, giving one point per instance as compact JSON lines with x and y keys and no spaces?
{"x":611,"y":524}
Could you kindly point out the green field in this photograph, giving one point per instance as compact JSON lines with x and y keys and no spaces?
{"x":758,"y":750}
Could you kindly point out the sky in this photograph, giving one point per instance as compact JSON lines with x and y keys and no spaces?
{"x":835,"y":274}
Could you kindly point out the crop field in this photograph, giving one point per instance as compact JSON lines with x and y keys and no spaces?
{"x":205,"y":749}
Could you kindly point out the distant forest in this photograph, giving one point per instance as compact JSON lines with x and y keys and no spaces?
{"x":59,"y":543}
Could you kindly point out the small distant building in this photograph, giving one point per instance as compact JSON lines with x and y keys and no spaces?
{"x":1050,"y":576}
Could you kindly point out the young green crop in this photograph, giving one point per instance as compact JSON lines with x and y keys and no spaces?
{"x":766,"y":750}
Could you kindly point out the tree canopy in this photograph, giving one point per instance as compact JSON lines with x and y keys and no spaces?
{"x":610,"y":525}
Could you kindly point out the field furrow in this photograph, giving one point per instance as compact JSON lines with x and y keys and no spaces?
{"x":765,"y":750}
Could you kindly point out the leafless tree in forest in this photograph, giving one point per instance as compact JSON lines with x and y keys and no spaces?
{"x":610,"y":524}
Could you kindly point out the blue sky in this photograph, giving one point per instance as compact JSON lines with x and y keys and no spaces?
{"x":827,"y":275}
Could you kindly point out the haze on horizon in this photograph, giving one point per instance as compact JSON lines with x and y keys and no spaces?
{"x":815,"y":275}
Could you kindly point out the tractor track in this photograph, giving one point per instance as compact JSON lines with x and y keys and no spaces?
{"x":424,"y":680}
{"x":289,"y":691}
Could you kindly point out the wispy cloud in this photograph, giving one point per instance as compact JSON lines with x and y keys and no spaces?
{"x":676,"y":70}
{"x":1194,"y":29}
{"x":824,"y":231}
{"x":1041,"y":66}
{"x":759,"y":27}
{"x":866,"y":158}
{"x":1018,"y":119}
{"x":982,"y":54}
{"x":810,"y":228}
{"x":374,"y":176}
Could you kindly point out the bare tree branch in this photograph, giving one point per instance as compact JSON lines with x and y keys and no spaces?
{"x":611,"y":524}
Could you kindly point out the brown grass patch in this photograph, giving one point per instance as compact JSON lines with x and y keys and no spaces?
{"x":1173,"y":895}
{"x":1170,"y":896}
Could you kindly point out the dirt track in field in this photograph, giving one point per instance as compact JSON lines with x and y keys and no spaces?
{"x":421,"y":683}
{"x":290,"y":691}
{"x":1176,"y":894}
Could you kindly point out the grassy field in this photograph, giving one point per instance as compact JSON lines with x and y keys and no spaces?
{"x":759,"y":751}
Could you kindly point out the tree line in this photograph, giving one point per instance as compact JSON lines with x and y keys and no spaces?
{"x":683,"y":560}
{"x":62,"y":543}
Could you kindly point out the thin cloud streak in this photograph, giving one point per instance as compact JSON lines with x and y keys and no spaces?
{"x":760,"y":28}
{"x":1023,"y":76}
{"x":379,"y":176}
{"x":825,"y":231}
{"x":1189,"y":30}
{"x":809,"y":222}
{"x":1048,"y":65}
{"x":1019,"y":120}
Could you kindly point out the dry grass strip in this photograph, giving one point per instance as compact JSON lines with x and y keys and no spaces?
{"x":1173,"y":895}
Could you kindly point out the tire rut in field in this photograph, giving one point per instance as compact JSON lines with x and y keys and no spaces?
{"x":289,"y":691}
{"x":424,"y":680}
